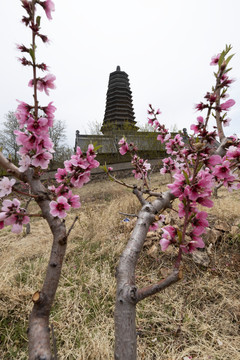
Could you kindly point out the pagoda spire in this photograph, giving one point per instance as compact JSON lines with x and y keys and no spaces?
{"x":119,"y":113}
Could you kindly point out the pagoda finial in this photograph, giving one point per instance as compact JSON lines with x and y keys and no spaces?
{"x":118,"y":68}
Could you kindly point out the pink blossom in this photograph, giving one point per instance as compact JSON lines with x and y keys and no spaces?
{"x":61,"y":190}
{"x":48,"y":6}
{"x":79,"y":179}
{"x":90,"y":158}
{"x":229,"y":103}
{"x":38,"y":127}
{"x":41,"y":159}
{"x":178,"y":187}
{"x":44,"y":83}
{"x":183,"y":209}
{"x":212,"y":161}
{"x":199,"y":223}
{"x":58,"y":208}
{"x":174,"y":145}
{"x":49,"y":111}
{"x":222,"y":171}
{"x":61,"y":175}
{"x":6,"y":186}
{"x":163,"y":138}
{"x":17,"y":220}
{"x":196,"y":128}
{"x":196,"y":242}
{"x":215,"y":59}
{"x":44,"y":143}
{"x":169,"y":165}
{"x":204,"y":201}
{"x":200,"y":106}
{"x":10,"y":205}
{"x":211,"y":97}
{"x":154,"y":226}
{"x":168,"y":237}
{"x":202,"y":186}
{"x":164,"y":242}
{"x":226,"y":122}
{"x":23,"y":113}
{"x":233,"y":153}
{"x":74,"y":200}
{"x":12,"y":214}
{"x":141,"y":167}
{"x":25,"y":162}
{"x":28,"y":141}
{"x":124,"y":146}
{"x":69,"y":166}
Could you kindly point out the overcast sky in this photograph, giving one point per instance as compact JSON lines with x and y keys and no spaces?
{"x":165,"y":46}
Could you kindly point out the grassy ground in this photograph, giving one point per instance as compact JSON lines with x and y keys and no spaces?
{"x":196,"y":319}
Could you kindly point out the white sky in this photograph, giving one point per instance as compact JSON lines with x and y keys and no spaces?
{"x":165,"y":46}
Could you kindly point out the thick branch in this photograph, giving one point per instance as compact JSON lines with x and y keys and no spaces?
{"x":221,"y":150}
{"x":10,"y":167}
{"x":139,"y":196}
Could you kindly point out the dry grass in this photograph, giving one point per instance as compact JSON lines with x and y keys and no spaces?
{"x":197,"y":318}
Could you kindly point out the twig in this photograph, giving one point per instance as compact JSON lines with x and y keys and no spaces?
{"x":23,"y":193}
{"x":72,"y":226}
{"x":113,"y":178}
{"x":133,"y":215}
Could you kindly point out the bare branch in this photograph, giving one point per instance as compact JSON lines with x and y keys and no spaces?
{"x":72,"y":226}
{"x":132,"y":215}
{"x":23,"y":193}
{"x":174,"y":277}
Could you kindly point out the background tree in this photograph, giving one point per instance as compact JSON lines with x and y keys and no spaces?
{"x":8,"y":138}
{"x":62,"y":150}
{"x":94,"y":128}
{"x":10,"y":147}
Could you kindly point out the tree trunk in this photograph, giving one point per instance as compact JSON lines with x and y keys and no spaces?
{"x":38,"y":331}
{"x":127,"y":293}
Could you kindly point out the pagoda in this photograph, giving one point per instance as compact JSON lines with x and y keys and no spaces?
{"x":119,"y":113}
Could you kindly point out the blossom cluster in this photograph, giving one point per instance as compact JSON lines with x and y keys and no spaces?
{"x":141,"y":166}
{"x":36,"y":147}
{"x":12,"y":214}
{"x":76,"y":173}
{"x":194,"y":166}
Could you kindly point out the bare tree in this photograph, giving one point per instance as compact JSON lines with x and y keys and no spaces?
{"x":58,"y":137}
{"x":8,"y":138}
